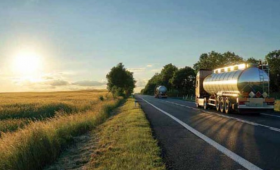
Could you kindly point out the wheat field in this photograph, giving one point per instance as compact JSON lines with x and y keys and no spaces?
{"x":19,"y":109}
{"x":35,"y":127}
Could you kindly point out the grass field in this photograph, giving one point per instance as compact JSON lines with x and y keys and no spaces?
{"x":126,"y":142}
{"x":37,"y":126}
{"x":19,"y":109}
{"x":44,"y":105}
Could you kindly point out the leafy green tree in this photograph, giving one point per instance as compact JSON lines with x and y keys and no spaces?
{"x":129,"y":83}
{"x":166,"y":74}
{"x":183,"y":80}
{"x":231,"y":58}
{"x":152,"y":84}
{"x":252,"y":60}
{"x":120,"y":81}
{"x":273,"y":60}
{"x":214,"y":60}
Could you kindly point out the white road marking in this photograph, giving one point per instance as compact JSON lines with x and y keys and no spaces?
{"x":270,"y":115}
{"x":243,"y":162}
{"x":229,"y":117}
{"x":275,"y":129}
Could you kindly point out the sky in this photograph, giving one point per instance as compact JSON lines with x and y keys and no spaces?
{"x":48,"y":45}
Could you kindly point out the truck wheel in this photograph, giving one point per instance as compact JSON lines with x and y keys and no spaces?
{"x":205,"y":105}
{"x":222,"y":105}
{"x":227,"y":106}
{"x":218,"y":103}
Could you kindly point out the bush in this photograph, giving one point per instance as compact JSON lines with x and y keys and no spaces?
{"x":101,"y":98}
{"x":173,"y":93}
{"x":117,"y":91}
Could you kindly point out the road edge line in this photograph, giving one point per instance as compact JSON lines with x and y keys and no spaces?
{"x":243,"y":162}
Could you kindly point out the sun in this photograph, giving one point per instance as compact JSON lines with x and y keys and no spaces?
{"x":27,"y":63}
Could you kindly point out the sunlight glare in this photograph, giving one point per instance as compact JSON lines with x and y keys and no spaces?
{"x":27,"y":63}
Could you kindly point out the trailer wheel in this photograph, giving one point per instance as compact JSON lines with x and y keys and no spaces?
{"x":222,"y":105}
{"x":218,"y":103}
{"x":227,"y":106}
{"x":205,"y":105}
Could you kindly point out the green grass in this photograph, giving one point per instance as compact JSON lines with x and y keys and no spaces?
{"x":10,"y":125}
{"x":275,"y":95}
{"x":126,"y":142}
{"x":35,"y":110}
{"x":40,"y":142}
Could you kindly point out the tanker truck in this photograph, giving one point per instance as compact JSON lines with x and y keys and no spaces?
{"x":243,"y":88}
{"x":160,"y":92}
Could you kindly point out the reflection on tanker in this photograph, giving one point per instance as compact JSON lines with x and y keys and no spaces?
{"x":237,"y":80}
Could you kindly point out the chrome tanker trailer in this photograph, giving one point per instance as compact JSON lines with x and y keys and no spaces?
{"x":241,"y":88}
{"x":160,"y":92}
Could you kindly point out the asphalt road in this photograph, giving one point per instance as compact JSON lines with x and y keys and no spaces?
{"x":193,"y":138}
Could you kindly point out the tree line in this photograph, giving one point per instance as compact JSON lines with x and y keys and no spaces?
{"x":181,"y":81}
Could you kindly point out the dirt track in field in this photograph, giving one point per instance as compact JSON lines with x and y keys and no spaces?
{"x":77,"y":155}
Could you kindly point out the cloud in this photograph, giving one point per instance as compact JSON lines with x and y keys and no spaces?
{"x":136,"y":69}
{"x":58,"y":83}
{"x":149,"y":65}
{"x":47,"y":77}
{"x":158,"y":70}
{"x":89,"y":83}
{"x":141,"y":83}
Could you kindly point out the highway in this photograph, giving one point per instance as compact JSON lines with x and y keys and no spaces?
{"x":193,"y":138}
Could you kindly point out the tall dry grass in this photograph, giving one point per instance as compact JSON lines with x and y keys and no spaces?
{"x":10,"y":125}
{"x":44,"y":105}
{"x":41,"y":142}
{"x":19,"y":109}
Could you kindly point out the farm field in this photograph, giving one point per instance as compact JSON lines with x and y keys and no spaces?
{"x":124,"y":141}
{"x":19,"y":109}
{"x":35,"y":127}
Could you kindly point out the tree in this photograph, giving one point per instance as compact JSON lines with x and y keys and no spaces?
{"x":183,"y":80}
{"x":152,"y":84}
{"x":231,"y":58}
{"x":273,"y":60}
{"x":166,"y":74}
{"x":252,"y":60}
{"x":120,"y":81}
{"x":172,"y":78}
{"x":214,"y":60}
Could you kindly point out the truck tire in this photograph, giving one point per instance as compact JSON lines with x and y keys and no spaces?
{"x":222,"y":105}
{"x":218,"y":103}
{"x":205,"y":105}
{"x":227,"y":106}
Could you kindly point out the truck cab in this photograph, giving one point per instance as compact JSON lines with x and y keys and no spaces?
{"x":200,"y":93}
